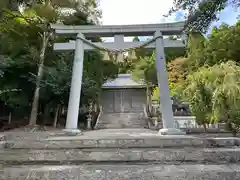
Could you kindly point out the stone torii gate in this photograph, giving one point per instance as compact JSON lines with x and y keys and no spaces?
{"x":119,"y":32}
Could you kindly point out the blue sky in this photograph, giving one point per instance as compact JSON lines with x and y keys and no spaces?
{"x":115,"y":12}
{"x":229,"y":15}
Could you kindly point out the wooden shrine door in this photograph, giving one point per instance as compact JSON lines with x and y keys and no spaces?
{"x":123,"y":100}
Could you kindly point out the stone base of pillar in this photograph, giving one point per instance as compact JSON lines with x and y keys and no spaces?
{"x":72,"y":132}
{"x":171,"y":131}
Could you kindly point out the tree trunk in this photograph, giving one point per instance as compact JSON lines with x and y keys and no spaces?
{"x":34,"y":111}
{"x":56,"y":116}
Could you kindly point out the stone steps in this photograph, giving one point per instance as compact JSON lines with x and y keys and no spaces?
{"x":75,"y":142}
{"x":161,"y":155}
{"x":117,"y":141}
{"x":118,"y":154}
{"x":107,"y":126}
{"x":117,"y":171}
{"x":121,"y":120}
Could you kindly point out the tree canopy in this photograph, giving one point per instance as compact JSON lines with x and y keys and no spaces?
{"x":208,"y":76}
{"x":201,"y":13}
{"x":29,"y":64}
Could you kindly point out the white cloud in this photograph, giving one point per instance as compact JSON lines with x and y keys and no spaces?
{"x":122,"y":12}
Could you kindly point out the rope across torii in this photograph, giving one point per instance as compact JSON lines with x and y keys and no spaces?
{"x":81,"y":44}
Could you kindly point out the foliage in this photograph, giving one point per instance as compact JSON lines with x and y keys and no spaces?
{"x":156,"y":95}
{"x":220,"y":46}
{"x":223,"y":44}
{"x":199,"y":95}
{"x":173,"y":53}
{"x":213,"y":93}
{"x":57,"y":78}
{"x":96,"y":72}
{"x":196,"y":55}
{"x":210,"y":81}
{"x":23,"y":35}
{"x":226,"y":101}
{"x":145,"y":69}
{"x":177,"y":70}
{"x":56,"y":81}
{"x":200,"y":13}
{"x":177,"y":74}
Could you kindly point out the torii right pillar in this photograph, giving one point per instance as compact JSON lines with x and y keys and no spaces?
{"x":165,"y":99}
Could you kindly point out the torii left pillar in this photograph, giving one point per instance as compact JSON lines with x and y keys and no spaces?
{"x":76,"y":87}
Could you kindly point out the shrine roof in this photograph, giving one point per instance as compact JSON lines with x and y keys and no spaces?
{"x":123,"y":81}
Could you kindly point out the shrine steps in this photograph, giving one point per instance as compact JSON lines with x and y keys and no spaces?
{"x":129,"y":154}
{"x":116,"y":171}
{"x":113,"y":155}
{"x":121,"y":120}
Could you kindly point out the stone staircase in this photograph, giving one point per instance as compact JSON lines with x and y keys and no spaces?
{"x":121,"y":120}
{"x":118,"y":154}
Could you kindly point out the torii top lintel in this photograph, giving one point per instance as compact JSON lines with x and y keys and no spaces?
{"x":126,"y":30}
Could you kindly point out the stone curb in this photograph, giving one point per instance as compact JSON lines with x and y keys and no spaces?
{"x":216,"y":155}
{"x":123,"y":143}
{"x":123,"y":172}
{"x":104,"y":143}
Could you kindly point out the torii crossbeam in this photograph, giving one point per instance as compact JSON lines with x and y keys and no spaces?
{"x":119,"y":32}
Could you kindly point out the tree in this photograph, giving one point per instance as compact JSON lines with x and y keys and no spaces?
{"x":96,"y":73}
{"x":226,"y":101}
{"x":35,"y":38}
{"x":177,"y":70}
{"x":38,"y":18}
{"x":57,"y":79}
{"x":15,"y":61}
{"x":145,"y":69}
{"x":201,"y":13}
{"x":199,"y":94}
{"x":220,"y":46}
{"x":223,"y":44}
{"x":213,"y":93}
{"x":196,"y":51}
{"x":56,"y":85}
{"x":177,"y":74}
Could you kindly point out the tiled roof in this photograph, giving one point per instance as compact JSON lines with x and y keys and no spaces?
{"x":123,"y":81}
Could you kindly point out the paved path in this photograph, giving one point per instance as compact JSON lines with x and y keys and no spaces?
{"x":98,"y":134}
{"x":115,"y":134}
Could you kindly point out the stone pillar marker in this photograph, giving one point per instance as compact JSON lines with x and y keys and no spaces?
{"x":165,"y":100}
{"x":76,"y":86}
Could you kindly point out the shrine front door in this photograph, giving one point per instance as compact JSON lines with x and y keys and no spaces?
{"x":123,"y":100}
